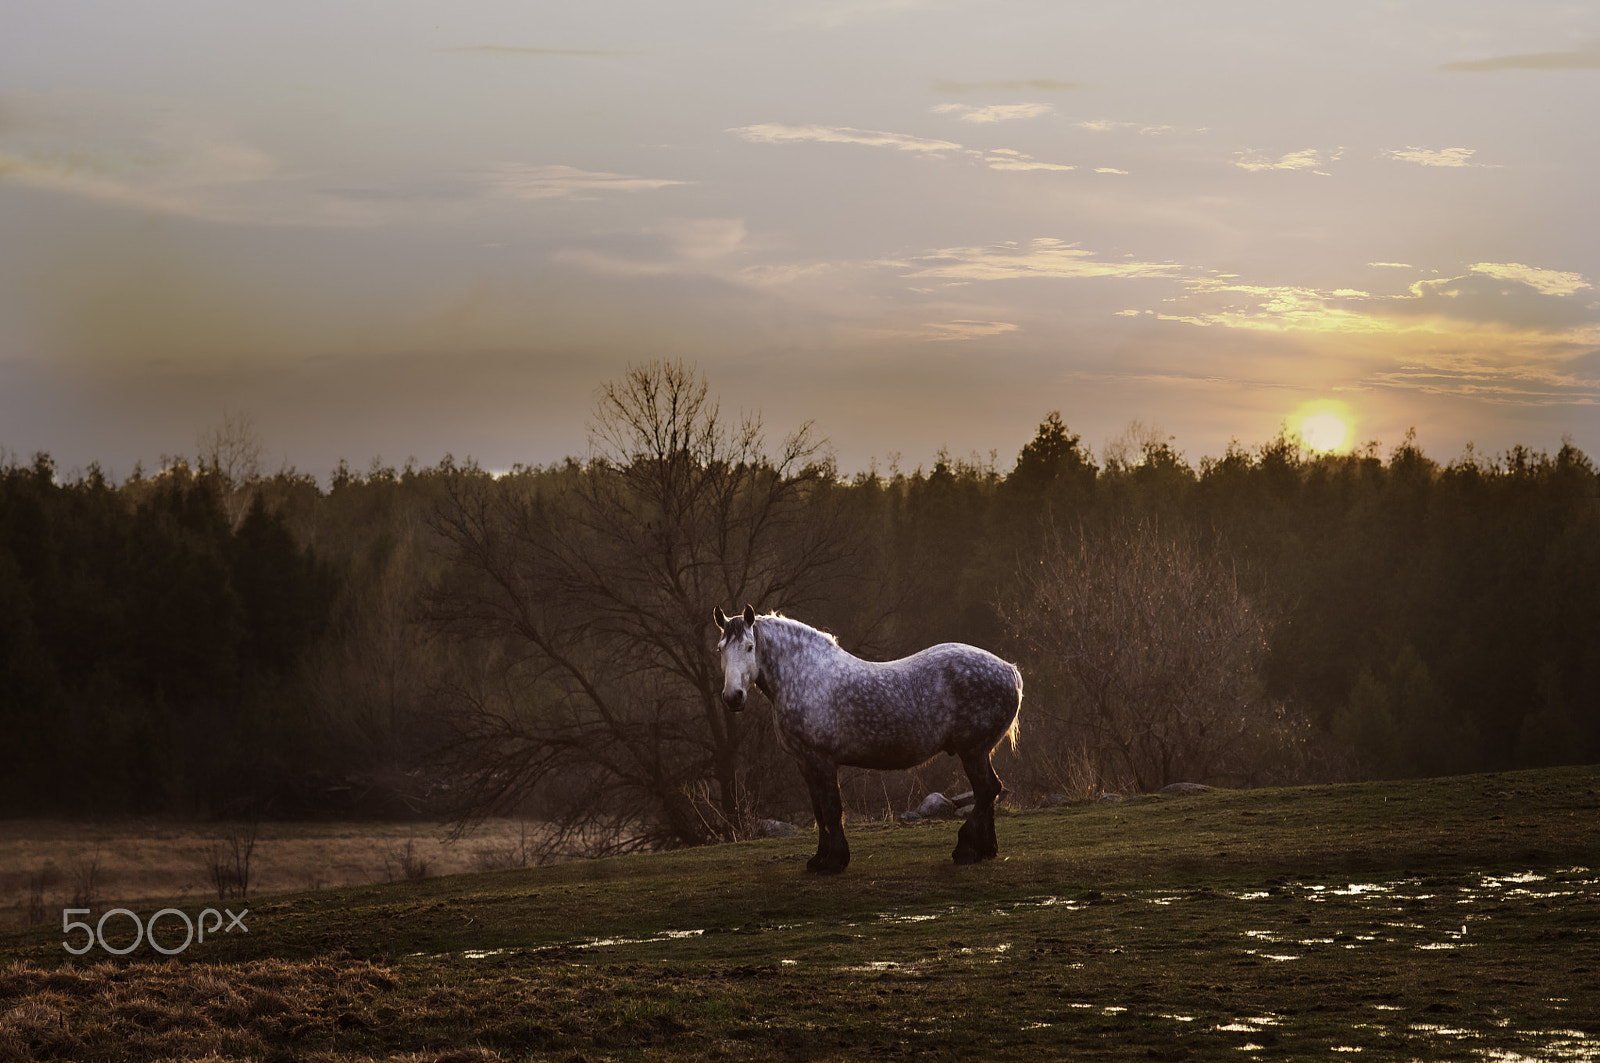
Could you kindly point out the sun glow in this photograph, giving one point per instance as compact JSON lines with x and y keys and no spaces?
{"x":1324,"y":426}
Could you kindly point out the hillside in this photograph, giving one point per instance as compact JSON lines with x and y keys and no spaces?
{"x":1431,"y":919}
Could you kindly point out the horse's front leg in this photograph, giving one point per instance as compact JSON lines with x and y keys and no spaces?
{"x":977,"y":840}
{"x":833,"y":852}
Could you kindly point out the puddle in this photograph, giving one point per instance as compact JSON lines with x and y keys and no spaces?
{"x":665,"y":935}
{"x":1355,"y":889}
{"x":1404,"y":913}
{"x":1249,"y":1025}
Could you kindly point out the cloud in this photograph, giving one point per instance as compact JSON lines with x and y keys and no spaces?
{"x":1110,"y":169}
{"x":1492,"y":339}
{"x":1467,"y":376}
{"x":999,"y":112}
{"x":1042,"y":257}
{"x":994,"y":159}
{"x":1106,"y":125}
{"x":772,"y":133}
{"x":187,"y":173}
{"x":945,"y":331}
{"x":521,"y":181}
{"x":1217,"y":302}
{"x":673,"y":247}
{"x":1518,"y":307}
{"x":1311,"y":159}
{"x":1007,"y":159}
{"x":1435,"y":156}
{"x":1585,"y":58}
{"x":1027,"y":85}
{"x":1391,"y":265}
{"x":702,"y":239}
{"x":1545,"y":281}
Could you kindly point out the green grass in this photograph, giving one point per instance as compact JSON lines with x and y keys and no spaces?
{"x":1442,"y":919}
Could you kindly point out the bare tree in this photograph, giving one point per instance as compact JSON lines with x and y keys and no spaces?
{"x":231,"y":453}
{"x":586,"y":595}
{"x":1153,"y":651}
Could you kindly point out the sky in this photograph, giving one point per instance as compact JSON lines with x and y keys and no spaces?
{"x":381,"y":231}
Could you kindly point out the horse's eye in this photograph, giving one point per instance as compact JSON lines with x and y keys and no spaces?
{"x":750,"y":646}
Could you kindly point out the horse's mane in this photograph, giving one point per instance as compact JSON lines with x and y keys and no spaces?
{"x":794,"y":631}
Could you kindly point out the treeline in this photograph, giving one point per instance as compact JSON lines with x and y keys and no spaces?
{"x":439,"y":639}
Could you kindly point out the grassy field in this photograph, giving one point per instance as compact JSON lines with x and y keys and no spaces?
{"x":133,"y":861}
{"x":1444,"y":919}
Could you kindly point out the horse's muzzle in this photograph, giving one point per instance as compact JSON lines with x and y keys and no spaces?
{"x":734,"y":699}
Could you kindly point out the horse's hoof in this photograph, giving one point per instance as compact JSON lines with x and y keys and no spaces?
{"x":966,"y":855}
{"x":823,"y":867}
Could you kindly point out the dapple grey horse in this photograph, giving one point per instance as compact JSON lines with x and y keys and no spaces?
{"x":834,"y":708}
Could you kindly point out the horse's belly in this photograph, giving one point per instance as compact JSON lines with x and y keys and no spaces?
{"x":851,"y":741}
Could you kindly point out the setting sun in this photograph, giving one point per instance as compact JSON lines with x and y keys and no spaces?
{"x":1324,"y":426}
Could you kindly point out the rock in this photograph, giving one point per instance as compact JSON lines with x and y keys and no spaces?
{"x":967,"y":798}
{"x":776,"y":828}
{"x":908,"y":817}
{"x":1054,"y":800}
{"x":1111,"y":799}
{"x":936,"y":805}
{"x":1185,"y":788}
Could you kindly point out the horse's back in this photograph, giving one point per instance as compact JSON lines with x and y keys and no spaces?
{"x":950,"y":698}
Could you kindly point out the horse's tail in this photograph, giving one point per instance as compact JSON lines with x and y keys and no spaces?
{"x":1016,"y":718}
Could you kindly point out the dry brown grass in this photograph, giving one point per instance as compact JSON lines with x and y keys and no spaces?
{"x":45,"y":864}
{"x":171,"y":1010}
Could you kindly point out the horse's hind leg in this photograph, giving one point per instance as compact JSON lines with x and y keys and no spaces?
{"x":977,"y":838}
{"x":833,"y":852}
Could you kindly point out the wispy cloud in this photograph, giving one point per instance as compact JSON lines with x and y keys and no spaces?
{"x":1508,"y":299}
{"x":772,"y":133}
{"x":1311,"y":159}
{"x":1042,"y":257}
{"x":1502,"y":333}
{"x":998,"y":112}
{"x":154,"y":157}
{"x":1535,"y":383}
{"x":522,"y":181}
{"x":945,"y":331}
{"x":1107,"y":125}
{"x":1435,"y":156}
{"x":1222,"y":302}
{"x":1544,"y":281}
{"x":994,"y":158}
{"x":1585,"y":58}
{"x":1025,"y":85}
{"x":673,"y":247}
{"x":1007,"y":159}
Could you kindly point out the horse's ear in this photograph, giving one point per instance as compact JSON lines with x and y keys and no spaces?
{"x":749,"y":614}
{"x":720,"y":617}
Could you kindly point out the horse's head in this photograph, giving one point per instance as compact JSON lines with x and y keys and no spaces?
{"x":740,"y":669}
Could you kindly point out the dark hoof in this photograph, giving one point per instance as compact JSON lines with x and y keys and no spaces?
{"x":819,"y":866}
{"x":965,"y":854}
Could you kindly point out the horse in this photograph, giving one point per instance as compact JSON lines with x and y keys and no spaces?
{"x":833,"y":708}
